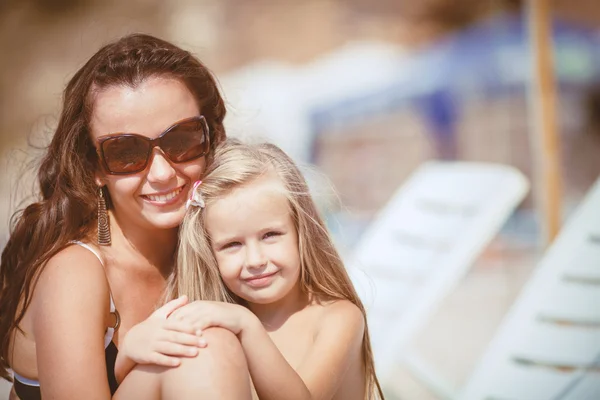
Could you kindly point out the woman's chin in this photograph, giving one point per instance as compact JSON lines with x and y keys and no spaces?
{"x":168,"y":220}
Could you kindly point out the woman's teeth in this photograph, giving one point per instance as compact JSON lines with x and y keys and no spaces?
{"x":164,"y":197}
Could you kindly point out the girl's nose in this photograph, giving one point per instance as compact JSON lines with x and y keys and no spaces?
{"x":255,"y":257}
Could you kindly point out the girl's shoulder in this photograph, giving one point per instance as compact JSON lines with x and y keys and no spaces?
{"x":334,"y":305}
{"x":339,"y":312}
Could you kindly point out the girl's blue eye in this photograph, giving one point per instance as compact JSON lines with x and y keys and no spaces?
{"x":271,"y":234}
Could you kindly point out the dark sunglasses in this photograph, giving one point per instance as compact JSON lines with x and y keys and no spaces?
{"x":129,"y":153}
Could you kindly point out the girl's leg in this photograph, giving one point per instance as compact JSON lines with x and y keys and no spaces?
{"x":218,"y":372}
{"x":143,"y":382}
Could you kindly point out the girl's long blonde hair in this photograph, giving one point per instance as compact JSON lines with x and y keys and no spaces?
{"x":322,"y":271}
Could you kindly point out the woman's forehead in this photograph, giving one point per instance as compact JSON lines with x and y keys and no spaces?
{"x":148,"y":108}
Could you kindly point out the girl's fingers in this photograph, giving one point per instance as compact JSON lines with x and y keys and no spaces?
{"x":192,"y":310}
{"x":180,"y":326}
{"x":176,"y":349}
{"x":164,"y":360}
{"x":202,"y":324}
{"x":186,"y":311}
{"x":181,"y":338}
{"x":171,"y":306}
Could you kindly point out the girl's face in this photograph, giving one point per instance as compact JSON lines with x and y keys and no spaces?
{"x":155,"y":197}
{"x":255,"y":242}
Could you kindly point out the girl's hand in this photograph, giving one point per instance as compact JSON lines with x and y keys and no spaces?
{"x":161,"y":340}
{"x":204,"y":314}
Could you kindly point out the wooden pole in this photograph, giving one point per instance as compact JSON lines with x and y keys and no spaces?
{"x":544,"y":133}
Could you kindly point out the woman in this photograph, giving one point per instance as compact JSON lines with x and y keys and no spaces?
{"x":88,"y":263}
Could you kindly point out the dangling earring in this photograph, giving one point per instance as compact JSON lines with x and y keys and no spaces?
{"x":103,"y":226}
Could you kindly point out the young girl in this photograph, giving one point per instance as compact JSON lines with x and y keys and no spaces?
{"x":254,"y":249}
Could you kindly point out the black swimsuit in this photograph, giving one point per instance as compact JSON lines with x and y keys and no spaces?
{"x":28,"y":389}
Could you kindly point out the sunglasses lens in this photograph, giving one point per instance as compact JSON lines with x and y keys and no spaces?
{"x":125,"y":154}
{"x":185,"y":142}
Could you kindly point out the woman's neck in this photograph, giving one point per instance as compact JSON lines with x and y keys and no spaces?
{"x":156,"y":246}
{"x":274,"y":315}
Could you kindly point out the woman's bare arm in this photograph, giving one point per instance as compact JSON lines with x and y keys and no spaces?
{"x":69,"y":307}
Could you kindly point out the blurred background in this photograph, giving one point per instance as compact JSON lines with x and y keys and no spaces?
{"x":363,"y":92}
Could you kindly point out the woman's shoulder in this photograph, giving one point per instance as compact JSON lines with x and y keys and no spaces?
{"x":72,"y":259}
{"x":73,"y":268}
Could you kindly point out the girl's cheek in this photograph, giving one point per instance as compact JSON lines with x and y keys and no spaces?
{"x":229,"y":268}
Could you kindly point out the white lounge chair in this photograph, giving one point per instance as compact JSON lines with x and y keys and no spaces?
{"x":422,"y":243}
{"x":548,"y":345}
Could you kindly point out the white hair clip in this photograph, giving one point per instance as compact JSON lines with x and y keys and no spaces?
{"x":196,"y":198}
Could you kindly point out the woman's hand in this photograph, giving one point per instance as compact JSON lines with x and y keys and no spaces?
{"x":204,"y":314}
{"x":161,"y":340}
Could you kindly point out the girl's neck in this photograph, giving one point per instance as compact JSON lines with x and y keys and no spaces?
{"x":274,"y":315}
{"x":157,"y":246}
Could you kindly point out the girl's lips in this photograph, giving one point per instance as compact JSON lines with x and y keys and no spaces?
{"x":261,"y":280}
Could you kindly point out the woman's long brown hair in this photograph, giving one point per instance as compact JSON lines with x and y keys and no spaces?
{"x":67,"y":207}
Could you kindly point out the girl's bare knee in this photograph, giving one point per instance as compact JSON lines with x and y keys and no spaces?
{"x":143,"y":382}
{"x":219,"y":371}
{"x":225,"y":347}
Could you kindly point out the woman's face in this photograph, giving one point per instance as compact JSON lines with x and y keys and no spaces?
{"x":155,"y":197}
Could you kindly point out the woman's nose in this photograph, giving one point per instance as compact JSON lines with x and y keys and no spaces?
{"x":161,"y":169}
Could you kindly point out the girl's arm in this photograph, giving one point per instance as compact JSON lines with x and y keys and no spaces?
{"x":271,"y":374}
{"x":337,"y":344}
{"x":69,"y":307}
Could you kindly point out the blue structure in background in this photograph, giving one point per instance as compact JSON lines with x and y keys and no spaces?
{"x":488,"y":58}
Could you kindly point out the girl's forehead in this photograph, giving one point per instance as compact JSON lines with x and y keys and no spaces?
{"x":266,"y":188}
{"x":266,"y":185}
{"x":264,"y":197}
